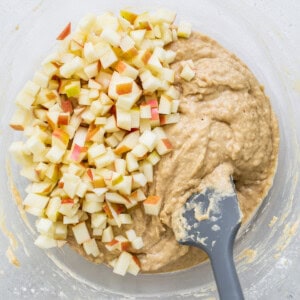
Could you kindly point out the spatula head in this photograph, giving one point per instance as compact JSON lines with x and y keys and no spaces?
{"x":208,"y":219}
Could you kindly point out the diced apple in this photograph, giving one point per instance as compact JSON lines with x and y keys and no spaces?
{"x":137,"y":195}
{"x":91,"y":206}
{"x":112,"y":245}
{"x":139,"y":150}
{"x":120,"y":166}
{"x":111,"y":124}
{"x":44,"y":226}
{"x":165,"y":105}
{"x":169,"y":119}
{"x":163,"y":16}
{"x":111,"y":37}
{"x":35,"y":211}
{"x":149,"y":82}
{"x":35,"y":145}
{"x":128,"y":143}
{"x":45,"y":242}
{"x":107,"y":235}
{"x":134,"y":266}
{"x":68,"y":209}
{"x":125,"y":219}
{"x":71,"y":183}
{"x":187,"y":73}
{"x":123,"y":119}
{"x":71,"y":220}
{"x":184,"y":29}
{"x":131,"y":234}
{"x":116,"y":198}
{"x":152,"y":205}
{"x":145,"y":111}
{"x":164,"y":146}
{"x":71,"y":67}
{"x":131,"y":162}
{"x":147,"y":169}
{"x":104,"y":79}
{"x":60,"y":231}
{"x":81,"y":233}
{"x":148,"y":139}
{"x":137,"y":243}
{"x":72,"y":89}
{"x":105,"y":159}
{"x":153,"y":158}
{"x":36,"y":200}
{"x":126,"y":70}
{"x":142,"y":58}
{"x":20,"y":119}
{"x":96,"y":150}
{"x":128,"y":15}
{"x":108,"y":58}
{"x":91,"y":70}
{"x":122,"y":263}
{"x":135,"y":117}
{"x":25,"y":100}
{"x":98,"y":219}
{"x":91,"y":248}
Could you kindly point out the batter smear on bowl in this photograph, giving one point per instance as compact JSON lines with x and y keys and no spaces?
{"x":124,"y":121}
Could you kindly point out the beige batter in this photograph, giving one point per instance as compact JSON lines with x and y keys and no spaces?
{"x":225,"y":118}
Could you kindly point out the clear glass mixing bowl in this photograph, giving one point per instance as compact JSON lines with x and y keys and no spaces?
{"x":263,"y":36}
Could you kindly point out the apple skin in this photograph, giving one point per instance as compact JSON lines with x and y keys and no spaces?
{"x":66,"y":31}
{"x":128,"y":15}
{"x":124,"y":88}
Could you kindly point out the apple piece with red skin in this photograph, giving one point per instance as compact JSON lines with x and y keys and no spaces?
{"x":137,"y":195}
{"x":142,"y":58}
{"x":128,"y":143}
{"x":128,"y":15}
{"x":112,"y":245}
{"x":169,"y":119}
{"x":66,"y":105}
{"x":134,"y":266}
{"x":126,"y":70}
{"x":122,"y":263}
{"x":63,"y":118}
{"x":66,"y":31}
{"x":60,"y":138}
{"x":152,"y":205}
{"x":164,"y":146}
{"x":124,"y":88}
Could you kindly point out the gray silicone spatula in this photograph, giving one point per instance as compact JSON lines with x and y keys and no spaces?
{"x":210,"y":221}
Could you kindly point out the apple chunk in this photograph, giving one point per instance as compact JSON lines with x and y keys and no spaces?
{"x":152,"y":205}
{"x":81,"y":233}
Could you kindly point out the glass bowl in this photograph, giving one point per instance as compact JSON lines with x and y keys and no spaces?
{"x":267,"y":255}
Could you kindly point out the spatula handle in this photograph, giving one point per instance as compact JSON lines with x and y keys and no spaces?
{"x":228,"y":284}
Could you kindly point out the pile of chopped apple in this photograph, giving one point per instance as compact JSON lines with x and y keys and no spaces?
{"x":93,"y":116}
